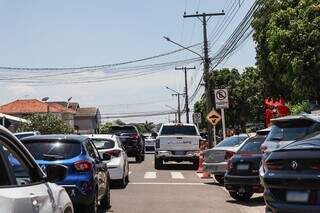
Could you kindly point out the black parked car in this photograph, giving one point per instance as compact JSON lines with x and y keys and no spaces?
{"x":291,"y":178}
{"x":242,"y":176}
{"x":131,"y":139}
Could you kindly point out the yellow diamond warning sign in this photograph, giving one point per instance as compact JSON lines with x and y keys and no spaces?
{"x":214,"y":117}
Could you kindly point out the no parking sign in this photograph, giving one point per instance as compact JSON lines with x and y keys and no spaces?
{"x":222,"y":99}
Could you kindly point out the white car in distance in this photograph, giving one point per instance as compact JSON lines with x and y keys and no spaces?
{"x":118,"y":165}
{"x":23,"y":185}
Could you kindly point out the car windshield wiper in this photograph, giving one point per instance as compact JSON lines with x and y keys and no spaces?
{"x":52,"y":157}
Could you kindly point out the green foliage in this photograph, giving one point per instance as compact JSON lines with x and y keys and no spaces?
{"x":46,"y":124}
{"x":105,"y":127}
{"x":245,"y":96}
{"x":146,"y":127}
{"x":298,"y":108}
{"x":287,"y":34}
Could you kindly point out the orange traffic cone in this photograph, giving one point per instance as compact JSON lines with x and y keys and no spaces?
{"x":201,"y":160}
{"x":205,"y":175}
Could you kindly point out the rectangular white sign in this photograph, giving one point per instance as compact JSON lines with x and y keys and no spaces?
{"x":221,"y":98}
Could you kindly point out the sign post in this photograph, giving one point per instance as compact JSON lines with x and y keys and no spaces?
{"x":222,"y":102}
{"x":214,"y":118}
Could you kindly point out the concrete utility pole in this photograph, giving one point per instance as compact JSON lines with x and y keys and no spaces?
{"x":186,"y":89}
{"x":206,"y":59}
{"x":178,"y":94}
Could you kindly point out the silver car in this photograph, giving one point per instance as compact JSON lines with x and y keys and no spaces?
{"x":215,"y":159}
{"x":23,"y":185}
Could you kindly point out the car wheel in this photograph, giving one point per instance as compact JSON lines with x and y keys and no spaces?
{"x":196,"y":163}
{"x":142,"y":157}
{"x":138,"y":159}
{"x":219,"y":178}
{"x":127,"y":178}
{"x":158,"y":163}
{"x":105,"y":202}
{"x":93,"y":207}
{"x":241,"y":194}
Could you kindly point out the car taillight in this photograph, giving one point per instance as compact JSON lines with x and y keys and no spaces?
{"x":229,"y":165}
{"x":228,"y":155}
{"x":135,"y":136}
{"x":114,"y":153}
{"x":157,"y":143}
{"x":269,"y":166}
{"x":83,"y":166}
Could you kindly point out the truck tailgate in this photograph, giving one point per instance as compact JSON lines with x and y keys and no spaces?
{"x":177,"y":142}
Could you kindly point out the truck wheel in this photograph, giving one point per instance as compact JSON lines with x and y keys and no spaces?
{"x":138,"y":158}
{"x":142,"y":157}
{"x":158,"y":163}
{"x":219,"y":178}
{"x":196,"y":163}
{"x":241,"y":194}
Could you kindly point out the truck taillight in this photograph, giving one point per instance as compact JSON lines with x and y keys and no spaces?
{"x":157,"y":143}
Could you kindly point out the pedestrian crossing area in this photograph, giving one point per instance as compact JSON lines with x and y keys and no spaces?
{"x":174,"y":175}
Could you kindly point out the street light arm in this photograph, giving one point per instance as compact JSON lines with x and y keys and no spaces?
{"x":186,"y":48}
{"x":172,"y":90}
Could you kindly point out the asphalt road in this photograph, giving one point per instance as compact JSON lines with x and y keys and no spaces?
{"x":176,"y":188}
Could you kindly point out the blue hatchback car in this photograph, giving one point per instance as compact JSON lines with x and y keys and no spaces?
{"x":87,"y":181}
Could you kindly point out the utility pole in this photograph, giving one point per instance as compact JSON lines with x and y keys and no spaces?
{"x":186,"y":89}
{"x":206,"y":60}
{"x":179,"y":110}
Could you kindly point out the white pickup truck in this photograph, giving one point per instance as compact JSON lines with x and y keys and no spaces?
{"x":177,"y":142}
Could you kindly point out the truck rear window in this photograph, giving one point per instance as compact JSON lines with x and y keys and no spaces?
{"x":53,"y":150}
{"x":178,"y":130}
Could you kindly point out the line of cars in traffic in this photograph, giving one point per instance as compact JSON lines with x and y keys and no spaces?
{"x":63,"y":173}
{"x":282,"y":161}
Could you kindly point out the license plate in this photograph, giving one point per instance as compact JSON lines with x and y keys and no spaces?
{"x":179,"y":152}
{"x":297,"y":196}
{"x":243,"y":167}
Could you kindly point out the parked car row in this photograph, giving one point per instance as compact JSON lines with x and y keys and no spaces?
{"x":51,"y":173}
{"x":283,"y":162}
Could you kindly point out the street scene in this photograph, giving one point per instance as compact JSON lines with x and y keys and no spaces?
{"x":192,"y":106}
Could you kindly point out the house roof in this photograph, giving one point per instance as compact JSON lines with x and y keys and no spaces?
{"x":87,"y":112}
{"x":72,"y":105}
{"x":28,"y":106}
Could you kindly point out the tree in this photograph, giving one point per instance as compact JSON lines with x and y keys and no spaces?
{"x":287,"y":34}
{"x":46,"y":124}
{"x":105,"y":127}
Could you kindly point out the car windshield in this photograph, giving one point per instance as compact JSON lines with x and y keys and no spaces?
{"x":289,"y":131}
{"x":178,"y":130}
{"x":116,"y":130}
{"x":103,"y":143}
{"x":252,"y":145}
{"x":53,"y":149}
{"x":231,"y":141}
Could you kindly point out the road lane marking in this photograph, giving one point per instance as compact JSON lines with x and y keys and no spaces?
{"x":160,"y":183}
{"x":177,"y":175}
{"x":150,"y":175}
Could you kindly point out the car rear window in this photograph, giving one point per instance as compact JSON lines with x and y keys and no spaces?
{"x":252,"y":145}
{"x":53,"y":149}
{"x":179,"y":130}
{"x":103,"y":143}
{"x":122,"y":129}
{"x":289,"y":131}
{"x":231,"y":141}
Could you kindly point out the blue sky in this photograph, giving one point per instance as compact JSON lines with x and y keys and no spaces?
{"x":74,"y":33}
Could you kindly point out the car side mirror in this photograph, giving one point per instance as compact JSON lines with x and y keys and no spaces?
{"x":106,"y":156}
{"x":56,"y":172}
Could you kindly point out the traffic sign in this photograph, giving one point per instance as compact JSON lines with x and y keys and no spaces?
{"x":197,"y":117}
{"x":222,"y":99}
{"x":214,"y":117}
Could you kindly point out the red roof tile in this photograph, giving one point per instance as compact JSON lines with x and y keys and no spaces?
{"x":32,"y":106}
